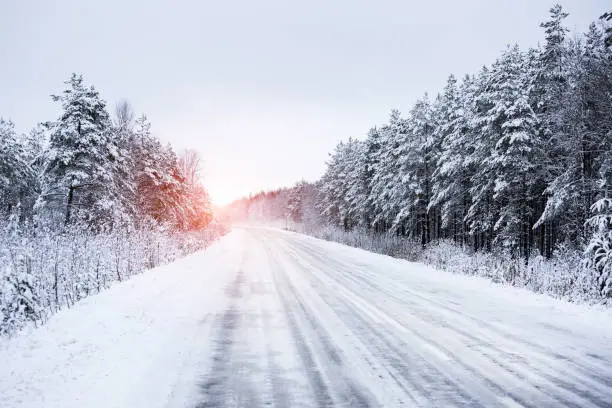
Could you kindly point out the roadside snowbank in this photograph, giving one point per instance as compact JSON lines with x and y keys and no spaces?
{"x":563,"y":277}
{"x":123,"y":347}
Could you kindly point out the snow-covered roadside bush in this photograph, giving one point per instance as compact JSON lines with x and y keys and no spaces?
{"x":386,"y":244}
{"x":42,"y":272}
{"x":447,"y":256}
{"x":564,"y":276}
{"x":599,"y":250}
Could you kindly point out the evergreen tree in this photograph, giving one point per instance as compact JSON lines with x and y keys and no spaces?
{"x":451,"y":177}
{"x":371,"y":163}
{"x":481,"y":215}
{"x":547,"y":97}
{"x":336,"y":202}
{"x":606,"y":17}
{"x":516,"y":149}
{"x":295,"y":201}
{"x":79,"y":179}
{"x":156,"y":181}
{"x":17,"y":179}
{"x":599,"y":250}
{"x":35,"y":143}
{"x":415,"y":164}
{"x":383,"y":186}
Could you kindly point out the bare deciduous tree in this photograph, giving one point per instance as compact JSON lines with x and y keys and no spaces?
{"x":124,"y":115}
{"x":190,"y":163}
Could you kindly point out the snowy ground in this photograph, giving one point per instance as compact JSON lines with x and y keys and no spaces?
{"x":271,"y":318}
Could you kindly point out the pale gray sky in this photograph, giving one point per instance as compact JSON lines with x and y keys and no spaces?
{"x":263,"y":89}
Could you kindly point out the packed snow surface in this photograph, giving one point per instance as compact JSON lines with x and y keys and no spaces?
{"x":272,"y":318}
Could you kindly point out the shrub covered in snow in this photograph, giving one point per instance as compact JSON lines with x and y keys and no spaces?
{"x":562,"y":276}
{"x":387,"y":244}
{"x":42,"y":272}
{"x":599,"y":250}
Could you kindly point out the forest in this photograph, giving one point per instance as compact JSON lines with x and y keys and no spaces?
{"x":511,"y":165}
{"x":88,"y":199}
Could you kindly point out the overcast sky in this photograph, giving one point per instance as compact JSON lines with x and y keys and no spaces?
{"x":263,"y":89}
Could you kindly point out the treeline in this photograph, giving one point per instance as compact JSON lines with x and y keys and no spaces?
{"x":513,"y":156}
{"x":296,"y":205}
{"x":515,"y":159}
{"x":86,"y":169}
{"x":87,"y":200}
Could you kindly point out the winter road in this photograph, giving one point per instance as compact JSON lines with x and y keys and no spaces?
{"x":269,"y":318}
{"x":308,"y":326}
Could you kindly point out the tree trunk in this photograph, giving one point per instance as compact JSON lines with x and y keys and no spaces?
{"x":69,"y":204}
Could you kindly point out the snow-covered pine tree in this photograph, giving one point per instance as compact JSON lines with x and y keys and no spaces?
{"x":357,"y":192}
{"x":606,"y":18}
{"x":124,"y":166}
{"x":482,"y":213}
{"x":335,"y":183}
{"x":17,"y":179}
{"x":162,"y":194}
{"x":386,"y":172}
{"x":416,"y":160}
{"x":80,"y":179}
{"x":371,"y":157}
{"x":35,"y":142}
{"x":451,"y":177}
{"x":173,"y":191}
{"x":547,"y":98}
{"x":599,"y":250}
{"x":514,"y":159}
{"x":295,"y":201}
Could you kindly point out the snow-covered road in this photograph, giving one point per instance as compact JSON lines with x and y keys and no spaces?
{"x":271,"y":318}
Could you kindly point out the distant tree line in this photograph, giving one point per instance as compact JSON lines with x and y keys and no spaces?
{"x":516,"y":158}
